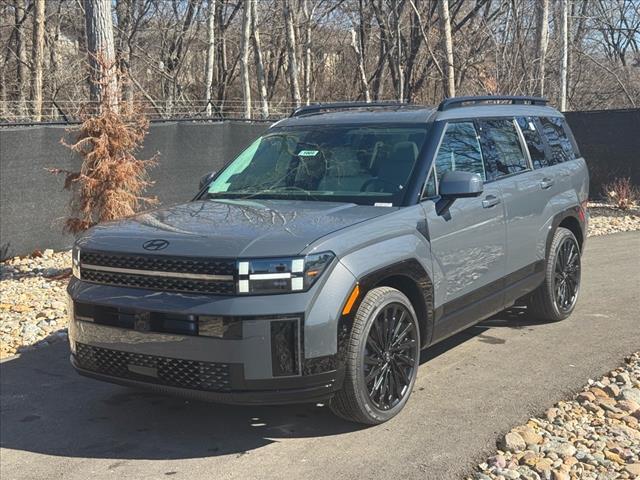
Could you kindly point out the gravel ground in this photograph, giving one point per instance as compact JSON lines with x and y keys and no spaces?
{"x":33,"y":301}
{"x":605,"y":219}
{"x":595,"y":436}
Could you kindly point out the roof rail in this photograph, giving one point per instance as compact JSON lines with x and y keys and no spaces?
{"x":318,"y":107}
{"x":455,"y":102}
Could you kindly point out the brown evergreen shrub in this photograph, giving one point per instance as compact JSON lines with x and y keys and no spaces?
{"x":111,"y":181}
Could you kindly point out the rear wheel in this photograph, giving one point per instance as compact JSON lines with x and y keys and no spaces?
{"x":556,"y":298}
{"x":382,"y":359}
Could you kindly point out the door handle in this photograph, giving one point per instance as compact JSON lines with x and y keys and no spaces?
{"x":490,"y":201}
{"x":547,"y":183}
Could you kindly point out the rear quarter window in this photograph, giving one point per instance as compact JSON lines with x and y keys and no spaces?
{"x":534,"y":141}
{"x":560,"y":146}
{"x":501,"y":148}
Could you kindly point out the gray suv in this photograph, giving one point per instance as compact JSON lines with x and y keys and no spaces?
{"x":317,"y":264}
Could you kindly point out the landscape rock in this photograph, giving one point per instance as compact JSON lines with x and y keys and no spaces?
{"x":578,"y":441}
{"x":513,"y":442}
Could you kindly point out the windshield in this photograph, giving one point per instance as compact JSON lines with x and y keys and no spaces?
{"x":363,"y":164}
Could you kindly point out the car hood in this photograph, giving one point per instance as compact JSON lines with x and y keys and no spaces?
{"x":229,"y":228}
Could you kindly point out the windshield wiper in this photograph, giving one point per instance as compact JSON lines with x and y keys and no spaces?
{"x":256,"y":193}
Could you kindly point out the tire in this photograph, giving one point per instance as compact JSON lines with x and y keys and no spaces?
{"x":546,"y":303}
{"x":367,"y":363}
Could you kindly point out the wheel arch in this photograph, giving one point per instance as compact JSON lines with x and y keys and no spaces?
{"x":571,"y":220}
{"x":410,"y":278}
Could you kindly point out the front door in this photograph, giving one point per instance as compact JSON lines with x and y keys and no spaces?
{"x":468,"y":243}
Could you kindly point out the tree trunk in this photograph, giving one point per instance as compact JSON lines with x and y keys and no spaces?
{"x":53,"y":37}
{"x":102,"y":58}
{"x":447,"y":46}
{"x":21,"y":57}
{"x":291,"y":53}
{"x":398,"y":55}
{"x":211,"y":53}
{"x":244,"y":58}
{"x":542,"y":41}
{"x":361,"y":72}
{"x":37,"y":60}
{"x":257,"y":52}
{"x":125,"y":11}
{"x":308,"y":14}
{"x":564,"y":34}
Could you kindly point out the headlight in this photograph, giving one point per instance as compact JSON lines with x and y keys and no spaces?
{"x":75,"y":262}
{"x":281,"y":275}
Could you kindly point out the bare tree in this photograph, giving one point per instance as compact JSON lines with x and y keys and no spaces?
{"x":292,"y":46}
{"x":244,"y":57}
{"x":102,"y":57}
{"x":20,"y":15}
{"x":211,"y":52}
{"x":564,"y":38}
{"x":190,"y":57}
{"x":308,"y":14}
{"x":257,"y":52}
{"x":125,"y":14}
{"x":447,"y":46}
{"x":542,"y":40}
{"x":37,"y":59}
{"x":361,"y":72}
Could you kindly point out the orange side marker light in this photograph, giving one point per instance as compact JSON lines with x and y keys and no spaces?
{"x":352,"y":299}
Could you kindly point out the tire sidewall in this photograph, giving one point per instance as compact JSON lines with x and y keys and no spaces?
{"x":377,"y":415}
{"x":559,"y":237}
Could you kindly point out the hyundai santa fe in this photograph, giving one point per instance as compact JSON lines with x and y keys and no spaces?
{"x":317,"y":264}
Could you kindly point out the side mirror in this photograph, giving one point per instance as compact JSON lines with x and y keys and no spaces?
{"x":206,"y":179}
{"x":457,"y":184}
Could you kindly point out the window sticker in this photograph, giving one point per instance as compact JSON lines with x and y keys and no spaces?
{"x":308,"y":153}
{"x":383,"y":204}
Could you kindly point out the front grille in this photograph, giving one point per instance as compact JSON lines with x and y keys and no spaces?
{"x":159,"y":263}
{"x":172,"y":272}
{"x":159,"y":283}
{"x":174,"y":372}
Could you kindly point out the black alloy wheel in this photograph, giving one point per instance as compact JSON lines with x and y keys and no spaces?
{"x":390,"y":356}
{"x":557,"y":296}
{"x":567,"y":275}
{"x":381,"y":359}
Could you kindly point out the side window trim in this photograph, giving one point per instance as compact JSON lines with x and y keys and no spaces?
{"x":523,"y":146}
{"x":432,"y":169}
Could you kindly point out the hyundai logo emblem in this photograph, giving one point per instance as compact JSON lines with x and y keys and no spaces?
{"x":155,"y":245}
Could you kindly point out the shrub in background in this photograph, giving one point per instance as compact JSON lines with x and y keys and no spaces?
{"x":111,"y":181}
{"x":621,"y":193}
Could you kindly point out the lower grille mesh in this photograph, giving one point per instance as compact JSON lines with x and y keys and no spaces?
{"x":214,"y":377}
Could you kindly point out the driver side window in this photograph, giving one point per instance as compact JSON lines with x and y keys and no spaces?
{"x":459,"y":150}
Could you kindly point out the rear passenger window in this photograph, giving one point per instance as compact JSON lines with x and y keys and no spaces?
{"x":459,"y":150}
{"x":533,"y":140}
{"x":559,"y":143}
{"x":501,"y":148}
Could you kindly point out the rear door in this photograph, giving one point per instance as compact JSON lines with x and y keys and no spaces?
{"x":468,"y":242}
{"x":526,"y":193}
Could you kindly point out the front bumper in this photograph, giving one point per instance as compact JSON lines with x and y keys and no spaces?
{"x":321,"y":387}
{"x":282,"y":348}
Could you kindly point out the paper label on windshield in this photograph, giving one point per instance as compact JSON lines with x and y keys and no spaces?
{"x":308,"y":153}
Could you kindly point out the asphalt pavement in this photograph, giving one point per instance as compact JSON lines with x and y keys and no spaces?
{"x":471,"y":389}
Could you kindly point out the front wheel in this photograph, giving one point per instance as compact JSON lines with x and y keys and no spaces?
{"x":382,"y":359}
{"x":556,"y":298}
